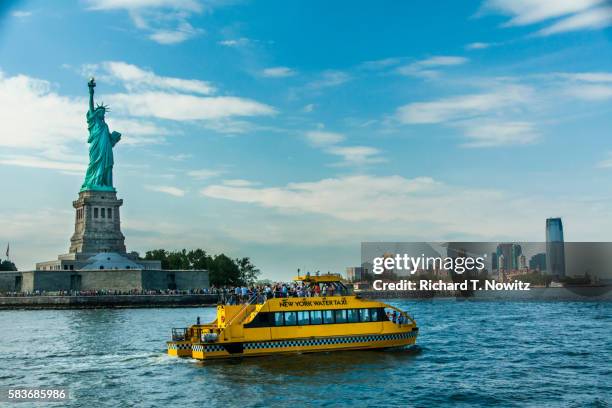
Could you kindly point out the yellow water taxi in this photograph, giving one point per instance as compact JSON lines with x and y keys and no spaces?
{"x":282,"y":325}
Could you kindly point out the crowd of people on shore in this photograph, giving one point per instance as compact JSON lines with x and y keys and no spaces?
{"x":108,"y":292}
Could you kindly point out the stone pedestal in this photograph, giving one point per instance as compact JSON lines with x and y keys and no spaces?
{"x":97,"y":226}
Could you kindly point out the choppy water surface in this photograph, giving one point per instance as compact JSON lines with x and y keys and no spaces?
{"x":470,"y":352}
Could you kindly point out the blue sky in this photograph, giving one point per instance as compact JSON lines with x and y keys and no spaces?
{"x":290,"y":131}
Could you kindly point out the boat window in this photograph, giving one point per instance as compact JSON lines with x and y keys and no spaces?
{"x":364,"y":315}
{"x":290,"y":319}
{"x":328,"y":316}
{"x":340,"y":316}
{"x":262,"y":319}
{"x":278,"y":319}
{"x":376,"y":315}
{"x":353,"y":315}
{"x":303,"y":318}
{"x":316,"y":317}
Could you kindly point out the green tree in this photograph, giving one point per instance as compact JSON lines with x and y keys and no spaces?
{"x":7,"y":266}
{"x":198,"y":259}
{"x":248,"y":271}
{"x":178,"y":260}
{"x":158,"y":255}
{"x":224,"y":271}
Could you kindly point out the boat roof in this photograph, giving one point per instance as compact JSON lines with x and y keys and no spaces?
{"x":329,"y":277}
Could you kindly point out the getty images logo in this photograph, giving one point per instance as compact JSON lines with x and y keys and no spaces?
{"x":413,"y":264}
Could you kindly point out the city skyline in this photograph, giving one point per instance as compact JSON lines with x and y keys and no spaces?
{"x":292,"y":140}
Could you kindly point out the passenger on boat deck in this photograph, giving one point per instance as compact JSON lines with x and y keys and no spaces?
{"x":394,"y":316}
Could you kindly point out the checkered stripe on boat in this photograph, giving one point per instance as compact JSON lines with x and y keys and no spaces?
{"x":328,"y":340}
{"x":208,"y":348}
{"x":174,"y":346}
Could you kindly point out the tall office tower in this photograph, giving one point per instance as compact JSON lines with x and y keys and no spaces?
{"x":538,"y":262}
{"x":555,"y":247}
{"x":517,"y":251}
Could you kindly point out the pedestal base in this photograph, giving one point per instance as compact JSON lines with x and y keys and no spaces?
{"x":97,"y":225}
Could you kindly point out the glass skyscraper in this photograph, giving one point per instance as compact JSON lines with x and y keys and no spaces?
{"x":555,"y":248}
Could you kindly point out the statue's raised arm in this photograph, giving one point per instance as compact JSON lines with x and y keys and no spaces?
{"x":91,"y":84}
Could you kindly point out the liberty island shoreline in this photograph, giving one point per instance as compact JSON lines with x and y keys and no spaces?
{"x":152,"y":301}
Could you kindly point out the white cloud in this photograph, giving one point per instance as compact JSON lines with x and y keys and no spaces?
{"x":34,"y":116}
{"x":135,"y":78}
{"x":309,"y":108}
{"x":356,"y":155}
{"x":524,"y":12}
{"x":21,"y":13}
{"x":319,"y":138}
{"x":366,"y":207}
{"x":606,"y":163}
{"x":353,"y":198}
{"x":478,"y":46}
{"x":590,"y":92}
{"x":464,"y":106}
{"x":165,"y":20}
{"x":181,"y":107}
{"x":486,"y":119}
{"x":202,"y":174}
{"x":441,"y":61}
{"x":190,"y":5}
{"x":589,"y":86}
{"x":138,"y":132}
{"x":235,"y":42}
{"x":43,"y":163}
{"x":239,"y":183}
{"x":181,"y":33}
{"x":574,"y":14}
{"x":498,"y":133}
{"x":174,"y":191}
{"x":164,"y":97}
{"x":380,"y":64}
{"x":329,"y":79}
{"x":587,"y":20}
{"x":278,"y":72}
{"x":426,"y":68}
{"x":351,"y":155}
{"x":180,"y":157}
{"x":588,"y":76}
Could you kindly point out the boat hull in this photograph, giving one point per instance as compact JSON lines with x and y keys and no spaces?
{"x":209,"y":351}
{"x":179,"y":348}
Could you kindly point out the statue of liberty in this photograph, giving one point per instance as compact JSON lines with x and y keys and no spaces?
{"x":101,"y":141}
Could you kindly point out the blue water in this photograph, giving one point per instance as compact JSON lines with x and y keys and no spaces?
{"x":472,"y":353}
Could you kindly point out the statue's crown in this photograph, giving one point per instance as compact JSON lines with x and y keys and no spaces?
{"x":102,"y":107}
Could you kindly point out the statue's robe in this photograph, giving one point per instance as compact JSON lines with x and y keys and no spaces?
{"x":101,"y":142}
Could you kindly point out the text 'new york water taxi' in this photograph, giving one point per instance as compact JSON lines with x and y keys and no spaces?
{"x":280,"y":325}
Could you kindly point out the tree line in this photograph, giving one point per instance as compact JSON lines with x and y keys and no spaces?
{"x":7,"y":265}
{"x":223,"y":270}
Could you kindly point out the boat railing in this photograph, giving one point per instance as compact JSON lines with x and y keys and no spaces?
{"x":405,"y":314}
{"x":243,"y":310}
